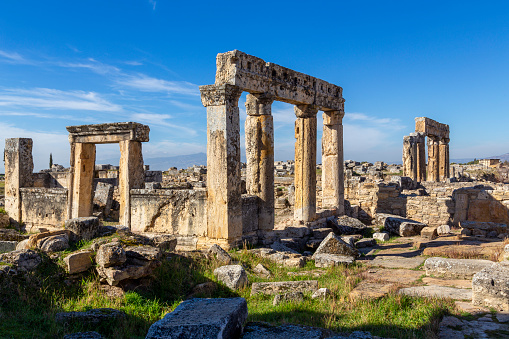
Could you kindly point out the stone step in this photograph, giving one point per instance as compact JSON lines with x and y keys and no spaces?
{"x":438,"y":292}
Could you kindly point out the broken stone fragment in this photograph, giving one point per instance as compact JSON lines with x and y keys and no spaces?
{"x":22,"y":260}
{"x":455,"y":268}
{"x":111,"y":254}
{"x":367,"y":242}
{"x":54,"y":243}
{"x":429,"y":233}
{"x":346,"y":225}
{"x":83,"y":227}
{"x":277,"y":287}
{"x":490,"y":287}
{"x":382,"y":236}
{"x":331,"y":260}
{"x":335,"y":245}
{"x":443,"y":229}
{"x":294,"y":297}
{"x":93,"y":317}
{"x":220,"y":254}
{"x":321,"y":293}
{"x":233,"y":276}
{"x":78,"y":262}
{"x":261,"y":270}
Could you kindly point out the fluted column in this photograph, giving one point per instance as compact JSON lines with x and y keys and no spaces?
{"x":433,"y":159}
{"x":224,"y":204}
{"x":260,"y":156}
{"x":332,"y":161}
{"x":305,"y":162}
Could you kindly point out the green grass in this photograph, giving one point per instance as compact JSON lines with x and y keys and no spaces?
{"x":2,"y":187}
{"x":28,"y":304}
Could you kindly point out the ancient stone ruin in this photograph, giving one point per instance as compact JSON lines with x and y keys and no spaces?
{"x":414,"y":158}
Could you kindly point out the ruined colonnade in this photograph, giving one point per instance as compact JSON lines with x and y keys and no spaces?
{"x":414,"y":149}
{"x":238,"y":72}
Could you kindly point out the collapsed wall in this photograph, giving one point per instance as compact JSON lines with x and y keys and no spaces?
{"x":434,"y":204}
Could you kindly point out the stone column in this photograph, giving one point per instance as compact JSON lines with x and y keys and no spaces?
{"x":421,"y":157}
{"x":131,"y":175}
{"x":83,"y":179}
{"x":332,"y":162}
{"x":260,"y":156}
{"x":224,"y":204}
{"x":305,"y":162}
{"x":444,"y":159}
{"x":433,"y":159}
{"x":410,"y":157}
{"x":19,"y":167}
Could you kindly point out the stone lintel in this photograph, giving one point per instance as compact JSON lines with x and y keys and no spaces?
{"x":305,"y":111}
{"x":333,"y":117}
{"x":431,"y":127}
{"x":108,"y":133}
{"x":254,"y":75}
{"x":218,"y":95}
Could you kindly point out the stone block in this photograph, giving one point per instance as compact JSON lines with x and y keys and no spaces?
{"x":443,"y":230}
{"x":7,"y":246}
{"x":335,"y":245}
{"x":294,"y":297}
{"x":78,"y":261}
{"x":278,"y":287}
{"x":22,"y":260}
{"x":438,"y":292}
{"x":94,"y":317}
{"x":220,"y":254}
{"x":233,"y":276}
{"x":321,"y":293}
{"x":491,"y":287}
{"x":261,"y":270}
{"x":346,"y":225}
{"x":367,"y":242}
{"x":54,"y":243}
{"x":382,"y":236}
{"x":330,"y":260}
{"x":429,"y":233}
{"x":198,"y":318}
{"x":455,"y":268}
{"x":111,"y":254}
{"x":83,"y":227}
{"x":397,"y":225}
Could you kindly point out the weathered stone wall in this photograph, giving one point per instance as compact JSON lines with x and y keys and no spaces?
{"x":438,"y":204}
{"x":43,"y":207}
{"x":178,"y":212}
{"x":51,"y":180}
{"x":153,"y":176}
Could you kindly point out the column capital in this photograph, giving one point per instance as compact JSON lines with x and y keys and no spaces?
{"x":213,"y":95}
{"x":259,"y":103}
{"x":305,"y":111}
{"x":333,"y":117}
{"x":444,"y":141}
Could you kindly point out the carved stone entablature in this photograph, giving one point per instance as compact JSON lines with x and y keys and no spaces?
{"x":109,"y":133}
{"x":254,"y":75}
{"x":431,"y":128}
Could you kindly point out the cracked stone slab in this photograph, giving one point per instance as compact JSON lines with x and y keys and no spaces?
{"x":396,"y":262}
{"x":438,"y":292}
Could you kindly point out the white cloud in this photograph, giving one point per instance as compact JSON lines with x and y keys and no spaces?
{"x":47,"y":98}
{"x":160,"y":120}
{"x":93,"y":65}
{"x":145,"y":83}
{"x":133,"y":63}
{"x":153,"y":3}
{"x":12,"y":57}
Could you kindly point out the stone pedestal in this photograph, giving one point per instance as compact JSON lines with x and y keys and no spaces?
{"x":332,"y":162}
{"x":131,"y":175}
{"x":305,"y":162}
{"x":433,"y":160}
{"x":444,"y":159}
{"x":224,"y":217}
{"x":19,"y":166}
{"x":82,"y":165}
{"x":260,"y":156}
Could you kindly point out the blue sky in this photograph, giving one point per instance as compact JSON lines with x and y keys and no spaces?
{"x":82,"y":62}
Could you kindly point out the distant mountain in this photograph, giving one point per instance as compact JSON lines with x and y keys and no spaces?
{"x":503,"y":157}
{"x":179,"y":161}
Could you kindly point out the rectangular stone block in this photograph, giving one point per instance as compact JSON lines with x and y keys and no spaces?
{"x":271,"y":288}
{"x":491,"y":287}
{"x":199,"y":318}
